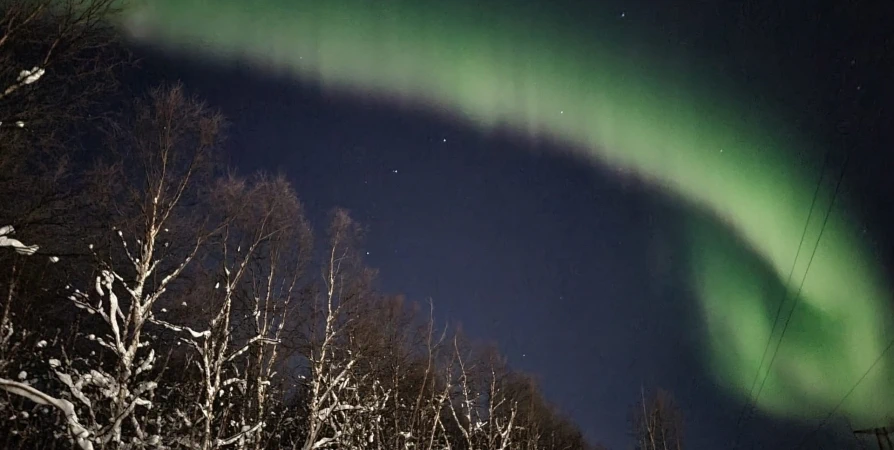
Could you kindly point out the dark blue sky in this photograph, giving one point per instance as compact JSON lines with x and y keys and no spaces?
{"x":574,"y":271}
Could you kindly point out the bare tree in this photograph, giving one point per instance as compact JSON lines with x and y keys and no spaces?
{"x":482,"y":410}
{"x":69,"y":46}
{"x":658,"y":423}
{"x":430,"y":392}
{"x":272,"y":289}
{"x":371,"y":373}
{"x":59,"y":61}
{"x":332,"y":376}
{"x":260,"y":247}
{"x":502,"y":408}
{"x":170,"y":145}
{"x":396,"y":355}
{"x":465,"y":404}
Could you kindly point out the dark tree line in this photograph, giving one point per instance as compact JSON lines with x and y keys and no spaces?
{"x":151,"y":299}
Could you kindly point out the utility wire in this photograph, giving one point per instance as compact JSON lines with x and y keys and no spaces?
{"x":846,"y":396}
{"x":806,"y":271}
{"x":791,"y":312}
{"x":749,"y":405}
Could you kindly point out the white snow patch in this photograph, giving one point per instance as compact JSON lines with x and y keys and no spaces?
{"x":30,"y":76}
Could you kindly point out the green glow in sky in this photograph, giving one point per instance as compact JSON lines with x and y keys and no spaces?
{"x":508,"y":65}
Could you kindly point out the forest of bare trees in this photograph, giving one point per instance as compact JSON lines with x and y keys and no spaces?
{"x":152,"y":298}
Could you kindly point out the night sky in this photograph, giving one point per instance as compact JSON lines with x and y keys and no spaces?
{"x":576,"y":271}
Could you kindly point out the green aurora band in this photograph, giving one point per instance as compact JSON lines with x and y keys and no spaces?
{"x":528,"y":70}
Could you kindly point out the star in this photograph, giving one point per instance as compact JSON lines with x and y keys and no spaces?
{"x":623,"y":15}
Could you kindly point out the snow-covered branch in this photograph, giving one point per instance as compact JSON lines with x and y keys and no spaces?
{"x":25,"y":78}
{"x":17,"y":245}
{"x":77,"y":431}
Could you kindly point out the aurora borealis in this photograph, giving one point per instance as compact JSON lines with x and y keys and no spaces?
{"x":528,"y":70}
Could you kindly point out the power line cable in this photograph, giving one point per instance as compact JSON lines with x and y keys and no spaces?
{"x":791,"y":312}
{"x":846,"y":395}
{"x":865,"y":374}
{"x":804,"y":278}
{"x":749,"y":405}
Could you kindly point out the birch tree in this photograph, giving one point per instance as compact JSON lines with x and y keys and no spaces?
{"x":58,"y":60}
{"x":332,"y":378}
{"x":657,"y":422}
{"x":502,"y":407}
{"x":390,"y":343}
{"x":272,"y":296}
{"x":67,"y":45}
{"x":422,"y":394}
{"x":106,"y":399}
{"x":261,"y":252}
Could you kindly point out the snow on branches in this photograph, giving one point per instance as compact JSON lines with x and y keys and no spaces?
{"x":17,"y":245}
